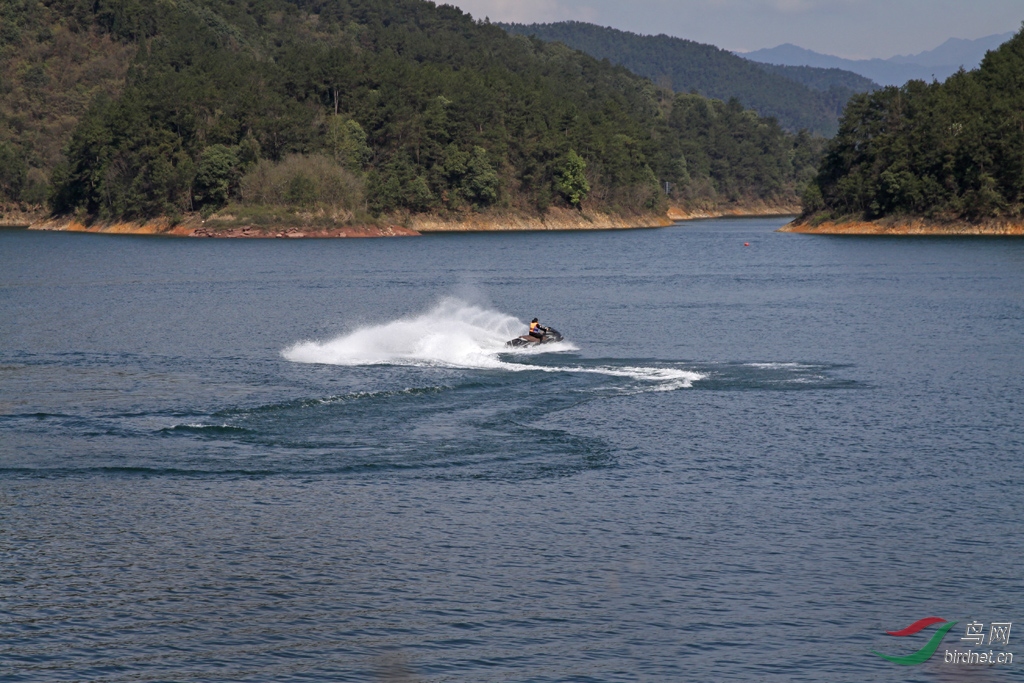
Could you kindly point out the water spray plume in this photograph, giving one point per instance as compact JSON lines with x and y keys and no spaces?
{"x":454,"y":333}
{"x":457,"y":334}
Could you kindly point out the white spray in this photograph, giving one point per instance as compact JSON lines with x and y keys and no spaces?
{"x":454,"y":334}
{"x":461,"y":335}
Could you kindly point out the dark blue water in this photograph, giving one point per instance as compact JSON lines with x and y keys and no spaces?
{"x":306,"y":460}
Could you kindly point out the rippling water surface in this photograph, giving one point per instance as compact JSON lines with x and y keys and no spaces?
{"x":315,"y":460}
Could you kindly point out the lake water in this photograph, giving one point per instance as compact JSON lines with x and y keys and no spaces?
{"x":309,"y":460}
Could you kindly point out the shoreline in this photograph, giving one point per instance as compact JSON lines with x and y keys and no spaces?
{"x":676,"y":213}
{"x":908,"y":227}
{"x":553,"y":220}
{"x":195,"y":227}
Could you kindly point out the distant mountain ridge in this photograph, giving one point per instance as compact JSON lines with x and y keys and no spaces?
{"x":797,"y":97}
{"x":937,"y":64}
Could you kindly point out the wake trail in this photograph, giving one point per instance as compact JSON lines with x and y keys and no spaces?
{"x":456,"y":334}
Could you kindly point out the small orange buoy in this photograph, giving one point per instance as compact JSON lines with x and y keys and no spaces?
{"x":746,"y":244}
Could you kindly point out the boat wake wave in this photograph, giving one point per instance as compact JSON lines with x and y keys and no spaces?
{"x":457,"y":334}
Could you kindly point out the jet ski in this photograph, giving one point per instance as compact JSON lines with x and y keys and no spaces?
{"x":550,"y":336}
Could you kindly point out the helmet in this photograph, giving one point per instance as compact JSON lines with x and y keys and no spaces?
{"x":534,"y":320}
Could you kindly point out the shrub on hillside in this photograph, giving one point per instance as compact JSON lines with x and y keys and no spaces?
{"x":303,"y":181}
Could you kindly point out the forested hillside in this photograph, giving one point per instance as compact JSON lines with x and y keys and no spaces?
{"x":51,"y":69}
{"x":952,"y":150}
{"x":845,"y":84}
{"x":353,"y":107}
{"x":799,"y":99}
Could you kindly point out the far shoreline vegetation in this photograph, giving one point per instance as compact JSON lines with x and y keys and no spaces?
{"x":352,"y":117}
{"x":330,"y":114}
{"x":928,"y":158}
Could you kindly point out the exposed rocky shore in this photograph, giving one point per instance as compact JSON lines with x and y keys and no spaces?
{"x":20,"y":216}
{"x":199,"y":228}
{"x":914,"y":226}
{"x":677,"y":213}
{"x":554,"y":219}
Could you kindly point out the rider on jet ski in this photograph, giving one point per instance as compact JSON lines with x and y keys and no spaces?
{"x":538,"y":334}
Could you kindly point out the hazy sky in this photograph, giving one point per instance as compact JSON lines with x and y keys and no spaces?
{"x":857,"y":29}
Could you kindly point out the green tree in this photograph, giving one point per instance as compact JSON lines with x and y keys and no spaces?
{"x":398,"y":186}
{"x":217,"y":176}
{"x":571,"y":180}
{"x":346,"y":141}
{"x":13,"y":172}
{"x":302,"y":190}
{"x":480,"y":183}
